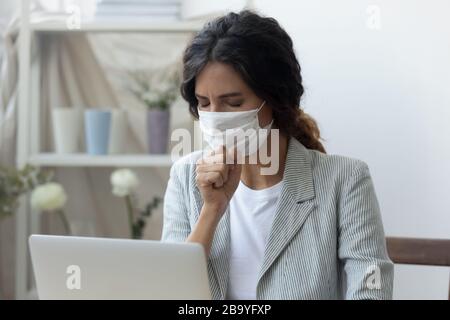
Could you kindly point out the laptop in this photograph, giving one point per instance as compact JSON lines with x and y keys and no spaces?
{"x":102,"y":268}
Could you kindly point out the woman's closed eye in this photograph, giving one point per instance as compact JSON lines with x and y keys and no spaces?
{"x":202,"y":105}
{"x":234,"y":103}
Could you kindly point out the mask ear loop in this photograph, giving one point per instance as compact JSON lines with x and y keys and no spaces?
{"x":264,"y":102}
{"x":269,"y":126}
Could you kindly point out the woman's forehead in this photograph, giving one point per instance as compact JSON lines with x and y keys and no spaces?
{"x":217,"y":79}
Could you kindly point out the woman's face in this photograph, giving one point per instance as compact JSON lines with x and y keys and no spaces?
{"x":219,"y":88}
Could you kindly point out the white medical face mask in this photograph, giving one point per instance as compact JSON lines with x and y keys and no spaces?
{"x":240,"y":128}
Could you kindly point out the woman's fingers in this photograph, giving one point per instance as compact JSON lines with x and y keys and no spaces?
{"x":213,"y":159}
{"x":219,"y":167}
{"x":215,"y":167}
{"x":205,"y":179}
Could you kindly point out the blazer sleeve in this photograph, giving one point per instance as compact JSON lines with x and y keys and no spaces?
{"x":362,"y":246}
{"x":176,"y":226}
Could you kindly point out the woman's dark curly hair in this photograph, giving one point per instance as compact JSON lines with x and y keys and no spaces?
{"x":262,"y":53}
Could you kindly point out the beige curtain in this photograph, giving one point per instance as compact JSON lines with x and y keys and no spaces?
{"x":83,"y":71}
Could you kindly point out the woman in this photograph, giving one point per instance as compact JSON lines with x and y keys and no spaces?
{"x":310,"y":230}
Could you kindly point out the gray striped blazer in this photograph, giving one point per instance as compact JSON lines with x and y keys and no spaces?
{"x":326,"y":241}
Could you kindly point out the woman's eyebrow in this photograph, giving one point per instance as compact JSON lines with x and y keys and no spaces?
{"x":225,"y":95}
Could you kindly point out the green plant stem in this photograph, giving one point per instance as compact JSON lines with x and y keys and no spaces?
{"x":130,"y":214}
{"x":65,"y":221}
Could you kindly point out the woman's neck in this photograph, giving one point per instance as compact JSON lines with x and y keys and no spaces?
{"x":251,"y":173}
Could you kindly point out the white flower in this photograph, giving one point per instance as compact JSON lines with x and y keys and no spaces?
{"x":150,"y":96}
{"x":48,"y":197}
{"x":123,"y":182}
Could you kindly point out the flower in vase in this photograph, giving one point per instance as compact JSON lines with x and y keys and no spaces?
{"x":16,"y":182}
{"x":51,"y":197}
{"x":48,"y":197}
{"x":123,"y":182}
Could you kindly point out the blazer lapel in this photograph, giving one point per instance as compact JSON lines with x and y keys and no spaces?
{"x":294,"y":204}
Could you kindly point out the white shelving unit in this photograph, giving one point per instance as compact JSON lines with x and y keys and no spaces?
{"x":85,"y":160}
{"x":28,"y":150}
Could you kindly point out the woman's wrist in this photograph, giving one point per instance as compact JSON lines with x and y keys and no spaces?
{"x":206,"y":225}
{"x":213,"y":211}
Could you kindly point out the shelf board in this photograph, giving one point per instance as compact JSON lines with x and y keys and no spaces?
{"x":86,"y":160}
{"x":118,"y":26}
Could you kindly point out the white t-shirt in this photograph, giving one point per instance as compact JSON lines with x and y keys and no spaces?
{"x":251,"y":217}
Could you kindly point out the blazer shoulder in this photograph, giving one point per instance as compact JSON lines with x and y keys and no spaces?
{"x":337,"y":166}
